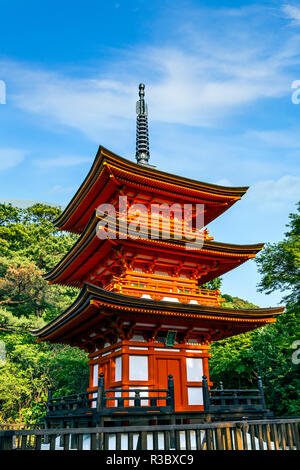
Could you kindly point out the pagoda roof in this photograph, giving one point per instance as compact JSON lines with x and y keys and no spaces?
{"x":94,"y":304}
{"x":110,"y":172}
{"x":89,"y":252}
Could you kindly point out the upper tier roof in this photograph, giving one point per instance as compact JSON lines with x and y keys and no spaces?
{"x":110,"y":172}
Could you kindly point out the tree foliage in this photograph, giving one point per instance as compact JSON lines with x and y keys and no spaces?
{"x":29,"y":246}
{"x":268,"y":351}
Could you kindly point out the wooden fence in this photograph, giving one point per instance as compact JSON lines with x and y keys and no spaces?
{"x":277,"y":434}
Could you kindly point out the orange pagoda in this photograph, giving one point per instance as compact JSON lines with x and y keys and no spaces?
{"x":142,"y":313}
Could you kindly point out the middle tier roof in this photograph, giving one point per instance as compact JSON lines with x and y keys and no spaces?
{"x":96,"y":260}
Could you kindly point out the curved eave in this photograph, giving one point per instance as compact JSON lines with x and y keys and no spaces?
{"x":87,"y":244}
{"x":140,"y":174}
{"x":91,"y":299}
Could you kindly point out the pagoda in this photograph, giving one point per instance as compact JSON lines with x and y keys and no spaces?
{"x":140,"y":264}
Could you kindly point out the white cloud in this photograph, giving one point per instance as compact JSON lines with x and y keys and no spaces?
{"x":58,"y":189}
{"x":191,"y":90}
{"x":292,"y":12}
{"x":62,"y":161}
{"x":197,"y":81}
{"x":10,"y":157}
{"x":224,"y":182}
{"x":283,"y":138}
{"x":275,"y":195}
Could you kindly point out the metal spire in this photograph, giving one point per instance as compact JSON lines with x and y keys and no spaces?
{"x":142,"y":139}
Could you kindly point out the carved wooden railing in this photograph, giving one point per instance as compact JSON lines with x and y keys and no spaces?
{"x":167,"y":228}
{"x":185,"y":290}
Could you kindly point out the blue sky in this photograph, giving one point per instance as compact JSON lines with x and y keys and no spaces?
{"x":218,"y":78}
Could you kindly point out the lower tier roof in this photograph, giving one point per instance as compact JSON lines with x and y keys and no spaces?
{"x":95,"y":306}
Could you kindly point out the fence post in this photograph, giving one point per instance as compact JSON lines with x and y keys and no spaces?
{"x":6,"y":440}
{"x":171,"y":400}
{"x":100,"y":393}
{"x":49,"y":398}
{"x":137,"y":396}
{"x":222,"y":393}
{"x":205,"y":391}
{"x":49,"y":408}
{"x":171,"y":403}
{"x":261,"y":392}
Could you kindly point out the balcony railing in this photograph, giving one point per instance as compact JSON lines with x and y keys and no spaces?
{"x":231,"y":400}
{"x":167,"y":227}
{"x":109,"y":401}
{"x":184,"y":290}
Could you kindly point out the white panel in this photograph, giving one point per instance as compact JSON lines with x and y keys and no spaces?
{"x":118,"y":368}
{"x":195,"y":396}
{"x":124,"y":441}
{"x":112,"y":442}
{"x":166,"y":349}
{"x":172,"y":299}
{"x":94,"y":403}
{"x":95,"y":375}
{"x":117,"y":394}
{"x":150,"y":441}
{"x":194,"y":369}
{"x":174,"y":327}
{"x":138,"y":367}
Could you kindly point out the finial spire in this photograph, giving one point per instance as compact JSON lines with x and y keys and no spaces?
{"x":142,"y":139}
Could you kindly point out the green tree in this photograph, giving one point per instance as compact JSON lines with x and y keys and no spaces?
{"x":268,"y":351}
{"x":30,"y":245}
{"x":30,"y":368}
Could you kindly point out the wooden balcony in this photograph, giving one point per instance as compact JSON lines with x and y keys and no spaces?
{"x":166,"y":228}
{"x":160,"y":287}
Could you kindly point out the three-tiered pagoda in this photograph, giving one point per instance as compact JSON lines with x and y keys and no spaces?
{"x":142,"y":312}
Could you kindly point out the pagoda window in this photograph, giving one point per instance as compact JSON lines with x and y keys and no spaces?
{"x":118,"y":368}
{"x":194,"y":369}
{"x":138,"y":367}
{"x":95,"y":375}
{"x":195,"y":396}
